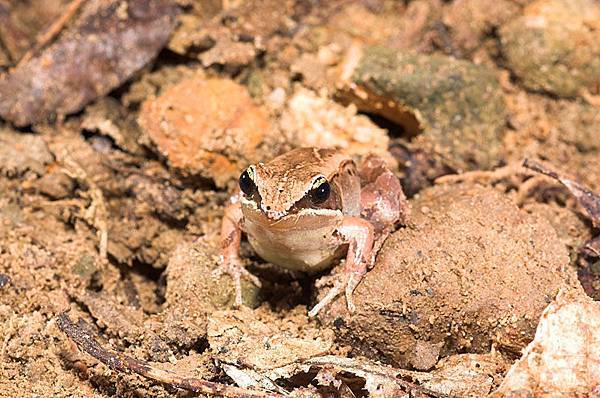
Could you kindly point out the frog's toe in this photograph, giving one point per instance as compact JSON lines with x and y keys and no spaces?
{"x":236,"y":270}
{"x":251,"y":277}
{"x":335,"y":291}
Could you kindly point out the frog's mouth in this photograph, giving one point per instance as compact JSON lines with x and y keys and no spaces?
{"x":299,"y":218}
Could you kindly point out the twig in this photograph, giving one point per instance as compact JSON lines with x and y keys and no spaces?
{"x":124,"y":363}
{"x":589,"y":200}
{"x":52,"y":31}
{"x":483,"y":176}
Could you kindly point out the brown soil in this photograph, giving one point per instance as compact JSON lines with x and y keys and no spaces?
{"x":113,"y":183}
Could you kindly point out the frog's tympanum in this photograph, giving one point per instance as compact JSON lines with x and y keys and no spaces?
{"x":307,"y":208}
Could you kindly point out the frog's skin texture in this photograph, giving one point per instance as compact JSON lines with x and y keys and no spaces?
{"x":307,"y":208}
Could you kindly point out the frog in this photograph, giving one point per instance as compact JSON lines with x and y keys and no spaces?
{"x":309,"y":208}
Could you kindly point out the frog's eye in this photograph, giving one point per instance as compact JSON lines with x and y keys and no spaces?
{"x":246,"y":182}
{"x":320,"y":191}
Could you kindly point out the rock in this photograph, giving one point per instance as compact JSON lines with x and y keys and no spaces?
{"x":315,"y":121}
{"x":563,"y":360}
{"x":206,"y":127}
{"x":193,"y":291}
{"x":470,"y":20}
{"x":475,"y":271}
{"x":455,"y":108}
{"x":554,"y":46}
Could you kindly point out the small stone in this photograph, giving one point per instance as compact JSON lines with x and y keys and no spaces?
{"x":555,"y":46}
{"x":206,"y":127}
{"x":4,"y":280}
{"x":424,"y":355}
{"x":276,"y":98}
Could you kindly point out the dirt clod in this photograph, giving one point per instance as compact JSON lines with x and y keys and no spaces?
{"x":22,"y":152}
{"x":193,"y":291}
{"x":466,"y":277}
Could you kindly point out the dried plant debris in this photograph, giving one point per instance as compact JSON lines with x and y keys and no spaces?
{"x":106,"y":44}
{"x":563,"y":360}
{"x":117,"y":361}
{"x":301,"y":374}
{"x":589,"y":200}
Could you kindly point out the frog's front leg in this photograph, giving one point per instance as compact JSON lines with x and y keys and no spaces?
{"x":359,"y":235}
{"x":231,"y":235}
{"x":382,"y":200}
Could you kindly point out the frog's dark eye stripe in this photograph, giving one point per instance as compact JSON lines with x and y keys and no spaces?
{"x":320,"y":190}
{"x":246,"y":182}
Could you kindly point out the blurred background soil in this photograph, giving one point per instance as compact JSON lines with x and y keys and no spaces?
{"x":125,"y":124}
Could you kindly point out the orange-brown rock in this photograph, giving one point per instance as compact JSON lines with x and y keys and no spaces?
{"x":205,"y":127}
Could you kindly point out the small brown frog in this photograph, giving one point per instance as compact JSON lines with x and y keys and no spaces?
{"x":307,"y":208}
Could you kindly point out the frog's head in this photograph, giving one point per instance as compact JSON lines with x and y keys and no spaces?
{"x":302,"y":180}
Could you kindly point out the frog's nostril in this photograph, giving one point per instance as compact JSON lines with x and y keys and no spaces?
{"x":268,"y":208}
